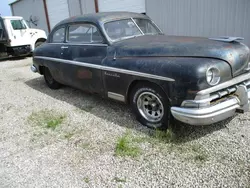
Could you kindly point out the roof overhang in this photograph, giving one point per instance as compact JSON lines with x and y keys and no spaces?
{"x":12,"y":1}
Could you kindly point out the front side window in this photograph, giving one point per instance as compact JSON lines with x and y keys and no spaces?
{"x":121,"y":29}
{"x":128,"y":28}
{"x":147,"y":26}
{"x":84,"y":33}
{"x":58,"y":36}
{"x":18,"y":24}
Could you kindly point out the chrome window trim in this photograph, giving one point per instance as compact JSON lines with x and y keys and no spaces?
{"x":105,"y":68}
{"x":137,"y":26}
{"x":80,"y":44}
{"x":82,"y":23}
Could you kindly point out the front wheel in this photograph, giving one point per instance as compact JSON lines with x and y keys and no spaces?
{"x":150,"y":105}
{"x":50,"y":81}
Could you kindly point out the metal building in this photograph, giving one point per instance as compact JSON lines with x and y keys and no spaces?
{"x":206,"y":18}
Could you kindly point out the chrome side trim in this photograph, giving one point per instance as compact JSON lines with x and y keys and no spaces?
{"x":116,"y":96}
{"x":224,"y":85}
{"x":80,"y":44}
{"x":105,"y":68}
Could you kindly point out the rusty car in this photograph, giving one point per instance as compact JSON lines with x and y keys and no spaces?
{"x":126,"y":57}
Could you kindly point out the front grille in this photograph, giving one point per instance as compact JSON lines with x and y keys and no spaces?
{"x":228,"y":91}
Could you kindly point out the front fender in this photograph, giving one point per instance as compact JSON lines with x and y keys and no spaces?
{"x":189,"y":74}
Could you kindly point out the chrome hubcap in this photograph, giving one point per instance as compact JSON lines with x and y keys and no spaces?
{"x":150,"y":107}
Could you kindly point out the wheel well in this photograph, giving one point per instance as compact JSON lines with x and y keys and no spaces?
{"x":136,"y":82}
{"x":40,"y":40}
{"x":41,"y":70}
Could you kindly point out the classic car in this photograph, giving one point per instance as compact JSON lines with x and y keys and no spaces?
{"x":124,"y":56}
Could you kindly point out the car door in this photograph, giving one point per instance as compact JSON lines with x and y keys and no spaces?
{"x":84,"y":49}
{"x":53,"y":52}
{"x":20,"y":35}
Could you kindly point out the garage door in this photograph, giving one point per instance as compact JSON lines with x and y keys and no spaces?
{"x":58,"y":10}
{"x":122,"y":5}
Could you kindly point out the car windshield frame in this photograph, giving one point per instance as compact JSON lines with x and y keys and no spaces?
{"x":159,"y":32}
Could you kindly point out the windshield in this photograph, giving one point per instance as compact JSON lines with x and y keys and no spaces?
{"x":122,"y":29}
{"x":18,"y":24}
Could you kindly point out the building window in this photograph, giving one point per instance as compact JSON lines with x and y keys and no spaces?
{"x":18,"y":24}
{"x":58,"y":35}
{"x":84,"y":33}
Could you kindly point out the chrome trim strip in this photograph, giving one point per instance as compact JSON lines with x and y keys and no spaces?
{"x":224,"y":85}
{"x":105,"y":68}
{"x":80,"y":44}
{"x":116,"y":96}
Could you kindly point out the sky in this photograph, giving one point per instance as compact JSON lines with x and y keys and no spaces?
{"x":5,"y":8}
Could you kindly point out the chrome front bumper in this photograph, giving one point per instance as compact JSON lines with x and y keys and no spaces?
{"x":208,"y":108}
{"x":33,"y":69}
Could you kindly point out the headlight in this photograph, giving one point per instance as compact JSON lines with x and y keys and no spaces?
{"x":213,"y":76}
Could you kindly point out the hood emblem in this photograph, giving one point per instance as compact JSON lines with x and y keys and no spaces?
{"x":227,"y":39}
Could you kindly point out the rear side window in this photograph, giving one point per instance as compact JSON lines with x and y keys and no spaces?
{"x":84,"y":33}
{"x":18,"y":24}
{"x":58,"y":36}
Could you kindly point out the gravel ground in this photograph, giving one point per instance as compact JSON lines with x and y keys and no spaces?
{"x":81,"y":150}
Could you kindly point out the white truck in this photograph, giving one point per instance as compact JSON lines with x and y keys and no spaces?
{"x":17,"y":39}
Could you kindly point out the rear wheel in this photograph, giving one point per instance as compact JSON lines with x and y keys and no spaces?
{"x":50,"y":81}
{"x":150,"y":105}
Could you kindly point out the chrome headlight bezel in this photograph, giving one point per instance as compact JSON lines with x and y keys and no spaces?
{"x":213,"y":76}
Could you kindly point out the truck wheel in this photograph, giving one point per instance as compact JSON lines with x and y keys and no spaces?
{"x":38,"y":44}
{"x":150,"y":105}
{"x":50,"y":81}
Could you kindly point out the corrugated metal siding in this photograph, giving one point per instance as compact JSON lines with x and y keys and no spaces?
{"x":74,"y":7}
{"x":87,"y":6}
{"x":34,"y":8}
{"x":78,"y":7}
{"x":58,"y":10}
{"x":122,"y":5}
{"x":202,"y":17}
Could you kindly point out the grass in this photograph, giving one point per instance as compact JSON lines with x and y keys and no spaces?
{"x":119,"y":180}
{"x":86,"y":180}
{"x":126,"y":147}
{"x":165,"y":136}
{"x":47,"y":119}
{"x":68,"y":135}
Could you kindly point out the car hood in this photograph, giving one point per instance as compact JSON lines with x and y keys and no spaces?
{"x":235,"y":54}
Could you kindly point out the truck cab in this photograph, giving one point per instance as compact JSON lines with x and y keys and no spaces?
{"x":16,"y":38}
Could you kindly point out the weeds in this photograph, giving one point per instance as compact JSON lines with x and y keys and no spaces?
{"x":126,"y":147}
{"x":119,"y":180}
{"x":46,"y":119}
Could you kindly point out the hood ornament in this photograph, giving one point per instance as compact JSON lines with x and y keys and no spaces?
{"x":227,"y":39}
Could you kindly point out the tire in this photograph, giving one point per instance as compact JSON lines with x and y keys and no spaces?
{"x":38,"y":44}
{"x":50,"y":81}
{"x":150,"y":105}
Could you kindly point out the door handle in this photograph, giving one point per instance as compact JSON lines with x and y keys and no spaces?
{"x":64,"y":47}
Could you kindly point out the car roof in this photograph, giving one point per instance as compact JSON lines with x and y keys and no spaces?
{"x":102,"y":17}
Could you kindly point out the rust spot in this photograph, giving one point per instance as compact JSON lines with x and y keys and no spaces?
{"x":84,"y":74}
